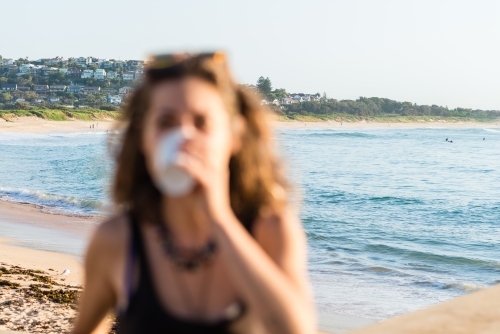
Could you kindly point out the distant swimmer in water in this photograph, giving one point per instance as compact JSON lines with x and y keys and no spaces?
{"x":484,"y":138}
{"x":446,"y":138}
{"x":451,"y":141}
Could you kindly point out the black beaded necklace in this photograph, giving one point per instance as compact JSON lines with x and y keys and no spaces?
{"x":196,"y":260}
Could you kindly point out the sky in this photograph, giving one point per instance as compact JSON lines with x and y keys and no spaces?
{"x":427,"y":52}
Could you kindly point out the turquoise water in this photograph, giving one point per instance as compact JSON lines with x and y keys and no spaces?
{"x":396,"y":219}
{"x":63,"y":172}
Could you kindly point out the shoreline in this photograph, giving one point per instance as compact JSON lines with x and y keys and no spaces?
{"x":41,"y":268}
{"x":29,"y":227}
{"x":33,"y":124}
{"x":13,"y":254}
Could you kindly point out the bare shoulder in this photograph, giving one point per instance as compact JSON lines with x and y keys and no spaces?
{"x":281,"y":235}
{"x":114,"y":229}
{"x":274,"y":224}
{"x":110,"y":237}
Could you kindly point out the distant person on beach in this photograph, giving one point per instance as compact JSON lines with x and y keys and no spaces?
{"x":203,"y":239}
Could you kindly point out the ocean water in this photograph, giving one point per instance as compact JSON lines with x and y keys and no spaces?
{"x":396,"y":219}
{"x":64,"y":173}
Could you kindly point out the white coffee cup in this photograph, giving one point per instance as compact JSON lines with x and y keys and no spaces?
{"x":170,"y":178}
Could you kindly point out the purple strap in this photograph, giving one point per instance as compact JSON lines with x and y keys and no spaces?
{"x":129,"y":270}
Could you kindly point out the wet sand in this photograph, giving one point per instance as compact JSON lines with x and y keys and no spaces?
{"x":29,"y":227}
{"x":475,"y":313}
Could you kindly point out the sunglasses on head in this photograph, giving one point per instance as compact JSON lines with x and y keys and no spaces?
{"x":165,"y":61}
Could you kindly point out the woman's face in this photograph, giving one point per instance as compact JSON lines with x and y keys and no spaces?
{"x":196,"y":107}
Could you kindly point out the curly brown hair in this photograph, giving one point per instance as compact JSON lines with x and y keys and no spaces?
{"x":256,"y":180}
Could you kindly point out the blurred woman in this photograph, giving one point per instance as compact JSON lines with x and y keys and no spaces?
{"x":204,"y":241}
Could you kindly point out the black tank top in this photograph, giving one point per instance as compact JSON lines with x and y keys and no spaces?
{"x":144,"y":312}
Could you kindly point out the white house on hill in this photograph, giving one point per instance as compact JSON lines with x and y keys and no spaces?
{"x":125,"y":90}
{"x":128,"y":76}
{"x":114,"y":99}
{"x":87,"y":74}
{"x":100,"y":74}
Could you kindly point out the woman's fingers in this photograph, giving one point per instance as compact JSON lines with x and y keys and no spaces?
{"x":194,"y":167}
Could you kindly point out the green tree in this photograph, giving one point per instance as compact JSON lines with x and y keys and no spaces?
{"x":279,"y":93}
{"x":22,"y":105}
{"x":264,"y":86}
{"x":6,"y":97}
{"x":30,"y":96}
{"x":24,"y":80}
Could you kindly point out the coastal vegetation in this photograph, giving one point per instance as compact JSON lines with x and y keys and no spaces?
{"x":61,"y":114}
{"x":317,"y":107}
{"x":65,"y":114}
{"x":380,"y":107}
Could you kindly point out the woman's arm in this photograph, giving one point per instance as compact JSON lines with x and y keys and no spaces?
{"x":275,"y":289}
{"x":103,"y":256}
{"x":269,"y":271}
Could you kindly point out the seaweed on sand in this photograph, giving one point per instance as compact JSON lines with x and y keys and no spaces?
{"x":59,"y":296}
{"x":12,"y":285}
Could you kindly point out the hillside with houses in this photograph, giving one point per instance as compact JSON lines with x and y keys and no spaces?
{"x":73,"y":82}
{"x":88,"y":82}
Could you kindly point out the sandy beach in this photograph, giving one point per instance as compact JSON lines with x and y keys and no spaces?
{"x":37,"y":125}
{"x":38,"y":287}
{"x":32,"y":124}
